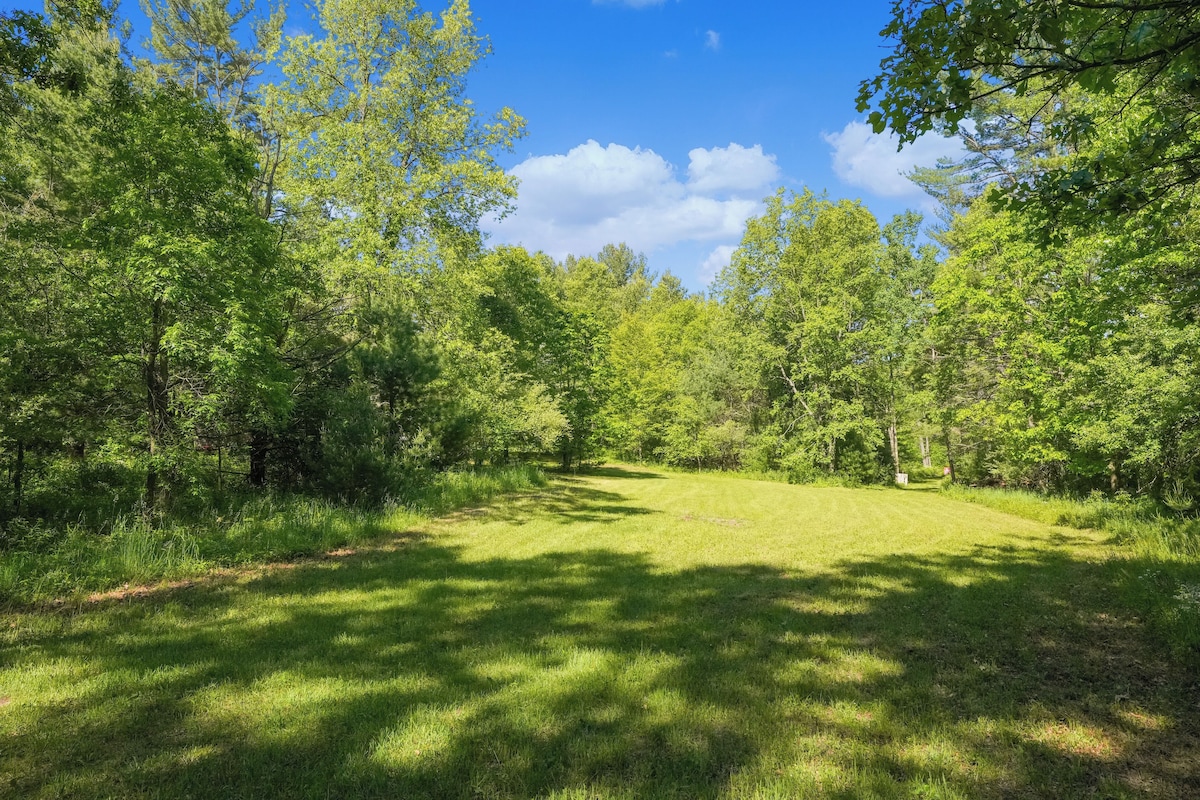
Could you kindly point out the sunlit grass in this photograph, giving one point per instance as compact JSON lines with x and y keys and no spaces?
{"x":624,"y":634}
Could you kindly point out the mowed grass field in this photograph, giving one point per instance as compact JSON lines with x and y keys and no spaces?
{"x":621,"y":634}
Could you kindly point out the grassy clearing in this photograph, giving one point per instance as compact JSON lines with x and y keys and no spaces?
{"x":77,"y":561}
{"x":624,"y":634}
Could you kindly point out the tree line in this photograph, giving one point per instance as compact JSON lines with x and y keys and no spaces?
{"x":215,"y":280}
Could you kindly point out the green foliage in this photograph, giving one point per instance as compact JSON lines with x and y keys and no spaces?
{"x":133,"y":221}
{"x":184,"y":307}
{"x":90,"y":491}
{"x":1065,"y":366}
{"x":384,"y":149}
{"x":806,"y":285}
{"x":197,"y":49}
{"x":27,"y":46}
{"x":497,"y":325}
{"x":353,"y":461}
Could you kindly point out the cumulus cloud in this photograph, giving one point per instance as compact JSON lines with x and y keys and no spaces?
{"x":712,"y":40}
{"x":717,"y":260}
{"x":593,"y":195}
{"x":870,"y":160}
{"x":591,"y":182}
{"x":734,"y":168}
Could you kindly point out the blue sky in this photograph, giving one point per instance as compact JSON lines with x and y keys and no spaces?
{"x":663,"y":123}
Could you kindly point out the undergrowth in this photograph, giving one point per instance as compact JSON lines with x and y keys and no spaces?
{"x":1165,"y":587}
{"x":43,"y":562}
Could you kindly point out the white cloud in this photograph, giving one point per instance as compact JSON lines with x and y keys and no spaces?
{"x":591,"y":181}
{"x":717,"y":260}
{"x":593,"y":195}
{"x":734,"y":168}
{"x":870,"y":160}
{"x":712,"y":40}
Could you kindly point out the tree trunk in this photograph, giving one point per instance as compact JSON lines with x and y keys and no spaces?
{"x":269,"y":189}
{"x":1114,"y":475}
{"x":260,"y":446}
{"x":895,"y":447}
{"x":949,"y":454}
{"x":926,"y":452}
{"x":892,"y":442}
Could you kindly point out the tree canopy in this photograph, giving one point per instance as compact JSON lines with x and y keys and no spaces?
{"x":1117,"y":85}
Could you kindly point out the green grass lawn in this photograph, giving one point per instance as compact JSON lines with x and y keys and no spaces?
{"x":622,"y":634}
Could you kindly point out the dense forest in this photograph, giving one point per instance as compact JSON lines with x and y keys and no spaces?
{"x":255,"y":264}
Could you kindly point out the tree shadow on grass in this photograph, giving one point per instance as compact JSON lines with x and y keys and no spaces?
{"x":568,"y":500}
{"x":419,"y":673}
{"x":621,"y":471}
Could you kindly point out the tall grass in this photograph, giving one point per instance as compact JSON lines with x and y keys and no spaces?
{"x":454,"y":490}
{"x":52,"y":563}
{"x":1160,"y":551}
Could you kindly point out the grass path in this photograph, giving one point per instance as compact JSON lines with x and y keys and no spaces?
{"x":625,"y":634}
